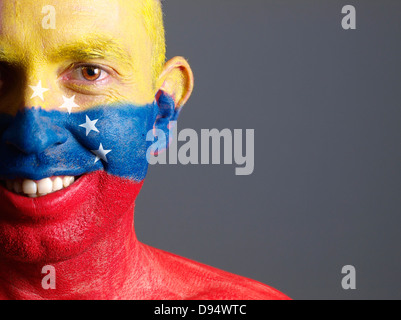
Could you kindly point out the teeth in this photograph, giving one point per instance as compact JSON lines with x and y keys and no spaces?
{"x":57,"y":184}
{"x":67,"y":181}
{"x":29,"y":187}
{"x":17,"y":186}
{"x":39,"y":188}
{"x":45,"y":186}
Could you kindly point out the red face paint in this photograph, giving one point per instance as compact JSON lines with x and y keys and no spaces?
{"x":86,"y":230}
{"x":64,"y":223}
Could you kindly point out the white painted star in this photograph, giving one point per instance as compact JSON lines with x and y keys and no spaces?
{"x":89,"y":125}
{"x":69,"y":104}
{"x":101,"y":153}
{"x":38,"y":90}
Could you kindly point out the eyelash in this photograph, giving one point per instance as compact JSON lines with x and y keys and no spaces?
{"x":80,"y":67}
{"x":75,"y":82}
{"x":72,"y":78}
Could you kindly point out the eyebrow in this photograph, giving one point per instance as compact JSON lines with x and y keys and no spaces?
{"x":91,"y":47}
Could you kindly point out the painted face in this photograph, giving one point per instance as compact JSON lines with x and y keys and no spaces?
{"x":76,"y":104}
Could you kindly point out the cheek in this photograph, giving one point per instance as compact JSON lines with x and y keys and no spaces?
{"x":120,"y":137}
{"x":37,"y":144}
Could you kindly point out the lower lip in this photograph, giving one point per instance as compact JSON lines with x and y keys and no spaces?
{"x":53,"y":205}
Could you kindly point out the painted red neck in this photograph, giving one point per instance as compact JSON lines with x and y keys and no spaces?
{"x":110,"y":269}
{"x":90,"y":242}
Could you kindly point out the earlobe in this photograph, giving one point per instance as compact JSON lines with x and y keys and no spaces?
{"x":165,"y":120}
{"x":167,"y":107}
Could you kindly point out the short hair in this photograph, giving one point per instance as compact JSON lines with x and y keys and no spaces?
{"x":152,"y":14}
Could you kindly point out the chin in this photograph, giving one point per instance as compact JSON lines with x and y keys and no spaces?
{"x":59,"y":218}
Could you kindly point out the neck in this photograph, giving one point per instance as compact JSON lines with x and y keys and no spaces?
{"x":112,"y":268}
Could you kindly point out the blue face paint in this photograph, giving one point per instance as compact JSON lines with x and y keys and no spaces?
{"x":37,"y":143}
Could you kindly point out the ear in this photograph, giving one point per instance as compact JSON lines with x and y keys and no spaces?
{"x":175,"y":85}
{"x":177,"y":81}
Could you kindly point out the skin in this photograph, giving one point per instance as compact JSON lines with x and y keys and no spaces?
{"x":108,"y":262}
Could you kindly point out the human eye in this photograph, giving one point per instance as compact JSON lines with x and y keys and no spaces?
{"x":92,"y":73}
{"x":88,"y":78}
{"x":89,"y":73}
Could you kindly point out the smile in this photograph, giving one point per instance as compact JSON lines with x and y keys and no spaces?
{"x":80,"y":198}
{"x":40,"y":188}
{"x":40,"y":200}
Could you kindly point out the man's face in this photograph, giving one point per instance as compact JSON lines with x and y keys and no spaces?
{"x":89,"y":125}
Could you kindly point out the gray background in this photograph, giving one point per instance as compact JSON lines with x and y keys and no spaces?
{"x":325,"y":106}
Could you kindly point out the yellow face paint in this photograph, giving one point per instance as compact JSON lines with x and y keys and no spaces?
{"x":122,"y":39}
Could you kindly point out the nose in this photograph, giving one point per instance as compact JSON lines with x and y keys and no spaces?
{"x":32,"y":133}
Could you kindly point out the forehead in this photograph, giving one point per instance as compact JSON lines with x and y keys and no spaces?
{"x":21,"y":22}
